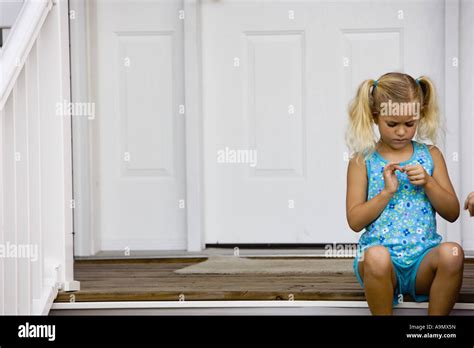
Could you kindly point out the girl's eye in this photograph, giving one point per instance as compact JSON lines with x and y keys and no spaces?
{"x":409,"y":124}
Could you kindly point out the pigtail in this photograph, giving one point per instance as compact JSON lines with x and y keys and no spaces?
{"x":360,"y":135}
{"x":429,"y":123}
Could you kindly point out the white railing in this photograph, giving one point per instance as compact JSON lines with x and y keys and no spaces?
{"x":36,"y":241}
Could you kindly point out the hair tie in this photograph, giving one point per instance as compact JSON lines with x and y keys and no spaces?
{"x":417,"y":81}
{"x":376,"y":83}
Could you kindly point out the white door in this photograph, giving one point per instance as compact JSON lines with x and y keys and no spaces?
{"x":137,"y":84}
{"x":277,"y":77}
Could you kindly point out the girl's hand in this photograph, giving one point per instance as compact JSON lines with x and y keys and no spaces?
{"x":417,"y":175}
{"x":390,"y":178}
{"x":469,"y":204}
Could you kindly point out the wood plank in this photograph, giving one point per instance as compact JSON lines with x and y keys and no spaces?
{"x":155,"y":280}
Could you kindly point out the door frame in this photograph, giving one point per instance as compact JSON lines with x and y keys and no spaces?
{"x":87,"y":241}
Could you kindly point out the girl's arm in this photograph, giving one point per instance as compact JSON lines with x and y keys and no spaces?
{"x":439,"y":189}
{"x":360,"y":212}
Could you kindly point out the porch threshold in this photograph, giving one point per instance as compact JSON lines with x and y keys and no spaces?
{"x":243,"y":251}
{"x":240,"y":308}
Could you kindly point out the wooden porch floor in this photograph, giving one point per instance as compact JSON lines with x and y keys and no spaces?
{"x":155,"y":280}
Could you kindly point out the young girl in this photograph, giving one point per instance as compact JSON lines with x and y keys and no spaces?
{"x":395,"y":187}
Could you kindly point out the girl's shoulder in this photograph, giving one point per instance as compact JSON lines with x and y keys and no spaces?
{"x":433,"y":149}
{"x":358,"y":161}
{"x":361,"y":158}
{"x":357,"y":170}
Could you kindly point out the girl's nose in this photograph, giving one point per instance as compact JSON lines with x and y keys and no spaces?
{"x":400,"y":132}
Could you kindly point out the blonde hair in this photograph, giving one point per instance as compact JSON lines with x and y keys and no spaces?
{"x":397,"y":87}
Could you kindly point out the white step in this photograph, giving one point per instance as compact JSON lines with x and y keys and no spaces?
{"x":241,"y":308}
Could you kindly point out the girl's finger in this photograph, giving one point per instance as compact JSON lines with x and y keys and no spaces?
{"x":466,"y":202}
{"x":471,"y":209}
{"x":415,"y":174}
{"x":416,"y":177}
{"x":410,"y":167}
{"x":414,"y":169}
{"x":392,"y":166}
{"x":397,"y":167}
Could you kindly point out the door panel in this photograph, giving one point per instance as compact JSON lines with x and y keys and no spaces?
{"x":278,"y":78}
{"x":137,"y":83}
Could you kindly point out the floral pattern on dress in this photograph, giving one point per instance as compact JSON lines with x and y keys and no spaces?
{"x":407,"y":225}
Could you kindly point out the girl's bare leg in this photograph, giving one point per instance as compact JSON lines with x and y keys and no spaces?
{"x":378,"y":274}
{"x":440,"y":275}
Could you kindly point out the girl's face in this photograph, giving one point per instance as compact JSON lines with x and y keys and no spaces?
{"x":397,"y":131}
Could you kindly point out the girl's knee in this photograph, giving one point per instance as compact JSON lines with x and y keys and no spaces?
{"x":377,"y":261}
{"x":451,"y":257}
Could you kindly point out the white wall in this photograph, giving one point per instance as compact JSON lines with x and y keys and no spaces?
{"x":9,"y":12}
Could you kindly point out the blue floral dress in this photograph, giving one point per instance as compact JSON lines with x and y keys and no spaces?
{"x":407,"y":225}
